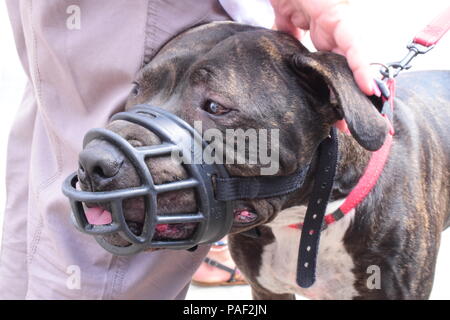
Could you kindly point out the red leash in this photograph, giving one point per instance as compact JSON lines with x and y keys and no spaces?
{"x":423,"y":42}
{"x":435,"y":30}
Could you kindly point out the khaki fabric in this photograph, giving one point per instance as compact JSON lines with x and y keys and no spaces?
{"x":80,"y":57}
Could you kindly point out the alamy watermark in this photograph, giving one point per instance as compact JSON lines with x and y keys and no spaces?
{"x":73,"y":281}
{"x":237,"y":146}
{"x":374,"y":280}
{"x":73,"y":21}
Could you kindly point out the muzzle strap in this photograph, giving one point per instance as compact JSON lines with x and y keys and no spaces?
{"x":236,"y":188}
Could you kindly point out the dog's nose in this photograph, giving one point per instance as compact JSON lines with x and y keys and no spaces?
{"x":100,"y":163}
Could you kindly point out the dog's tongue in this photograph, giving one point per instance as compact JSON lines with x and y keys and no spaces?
{"x":244,"y":216}
{"x":98,"y":216}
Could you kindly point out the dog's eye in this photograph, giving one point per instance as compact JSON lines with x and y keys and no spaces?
{"x":136,"y":89}
{"x":214,"y":108}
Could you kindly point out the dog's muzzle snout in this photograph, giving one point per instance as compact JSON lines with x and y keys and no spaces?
{"x":99,"y":164}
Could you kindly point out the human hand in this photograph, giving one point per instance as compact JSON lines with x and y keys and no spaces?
{"x":332,"y":28}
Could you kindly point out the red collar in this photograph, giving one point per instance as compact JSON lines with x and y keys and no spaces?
{"x":364,"y":185}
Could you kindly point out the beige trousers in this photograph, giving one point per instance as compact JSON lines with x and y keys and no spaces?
{"x":80,"y":57}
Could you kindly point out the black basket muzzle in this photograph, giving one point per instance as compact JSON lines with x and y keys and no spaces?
{"x":213,"y":219}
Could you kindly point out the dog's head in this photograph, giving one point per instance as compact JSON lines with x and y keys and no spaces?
{"x":232,"y":76}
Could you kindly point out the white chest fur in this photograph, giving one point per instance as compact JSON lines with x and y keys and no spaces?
{"x":334,"y":277}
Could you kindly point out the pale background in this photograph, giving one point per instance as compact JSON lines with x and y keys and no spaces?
{"x":387,"y":27}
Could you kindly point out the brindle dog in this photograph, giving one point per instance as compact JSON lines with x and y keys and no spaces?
{"x":263,"y":79}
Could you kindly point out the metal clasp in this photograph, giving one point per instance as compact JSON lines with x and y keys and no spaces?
{"x":393,"y":69}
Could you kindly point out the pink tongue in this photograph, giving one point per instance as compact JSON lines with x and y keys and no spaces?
{"x":162,"y":227}
{"x":98,"y":216}
{"x":244,"y":216}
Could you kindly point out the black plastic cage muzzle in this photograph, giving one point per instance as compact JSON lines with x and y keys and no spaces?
{"x":213,"y":219}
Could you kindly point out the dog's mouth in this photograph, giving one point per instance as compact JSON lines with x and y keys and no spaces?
{"x":103,"y":168}
{"x":134,"y":212}
{"x":244,"y":216}
{"x":100,"y":214}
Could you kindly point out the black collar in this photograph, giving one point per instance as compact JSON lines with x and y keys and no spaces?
{"x":318,"y":201}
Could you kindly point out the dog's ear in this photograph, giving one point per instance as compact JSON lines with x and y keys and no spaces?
{"x":329,"y":83}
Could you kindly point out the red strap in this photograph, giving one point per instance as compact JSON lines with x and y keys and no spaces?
{"x":369,"y":178}
{"x":391,"y":86}
{"x":329,"y":219}
{"x":435,"y":30}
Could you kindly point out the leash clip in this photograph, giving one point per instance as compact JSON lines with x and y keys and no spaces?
{"x":393,"y":69}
